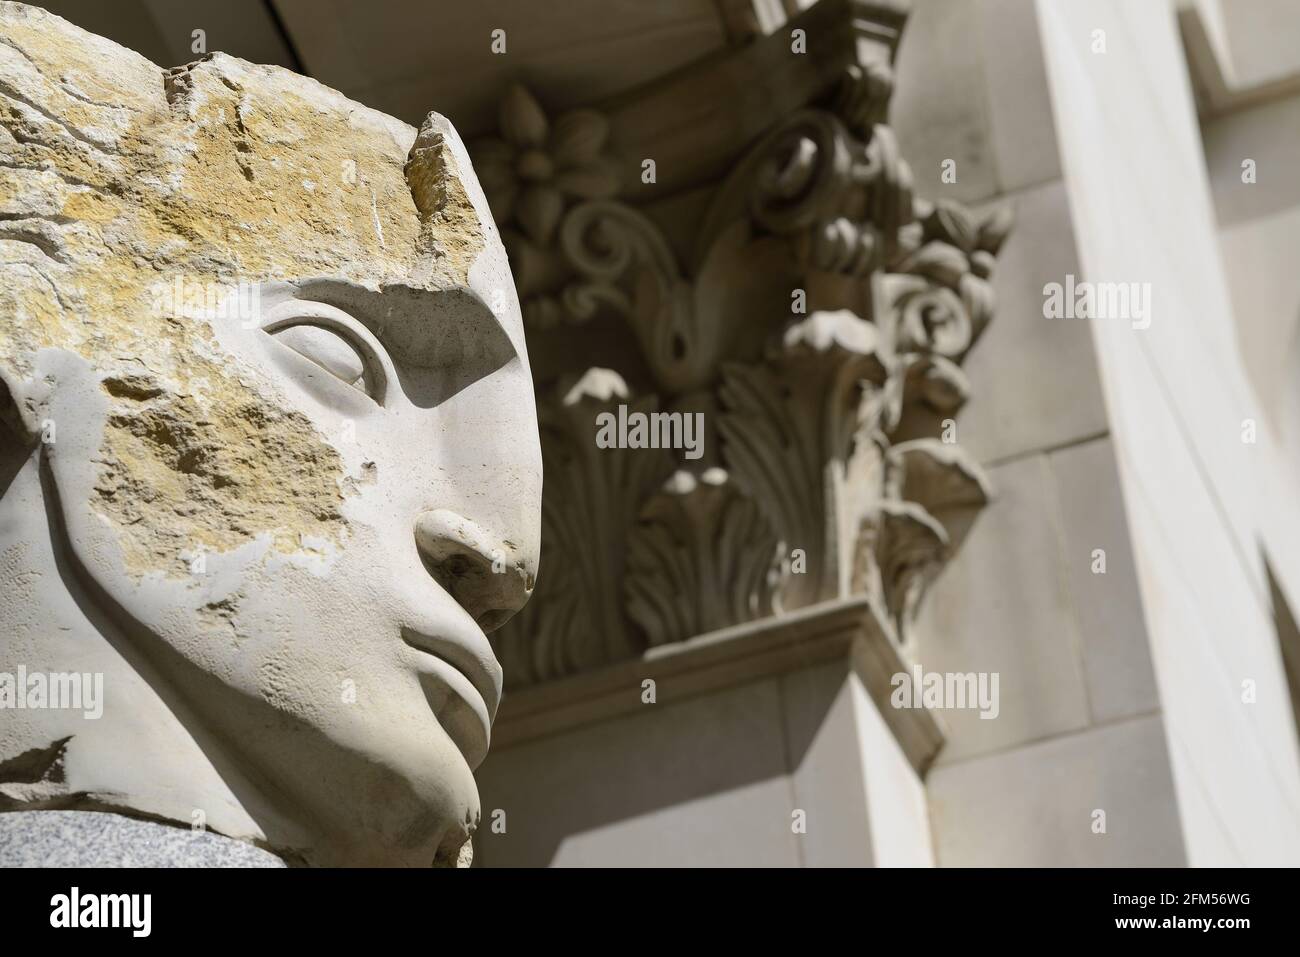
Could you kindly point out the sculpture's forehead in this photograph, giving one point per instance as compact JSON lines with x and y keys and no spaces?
{"x":271,"y":171}
{"x":232,"y":167}
{"x":122,"y":176}
{"x":219,"y":168}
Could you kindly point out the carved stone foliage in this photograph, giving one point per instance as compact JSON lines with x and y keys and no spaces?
{"x":534,"y":168}
{"x":798,"y":431}
{"x":589,"y":507}
{"x":701,"y":557}
{"x":817,"y":315}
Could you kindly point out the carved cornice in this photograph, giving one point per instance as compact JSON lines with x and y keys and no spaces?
{"x":816,"y":317}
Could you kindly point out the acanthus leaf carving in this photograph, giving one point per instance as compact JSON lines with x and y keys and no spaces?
{"x":899,"y":550}
{"x":702,"y":557}
{"x":798,"y":434}
{"x":931,"y":495}
{"x":577,"y":619}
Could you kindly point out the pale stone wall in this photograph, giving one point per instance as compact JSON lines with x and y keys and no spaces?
{"x":1083,"y":724}
{"x":1079,"y":728}
{"x":1252,"y":145}
{"x":1259,"y":221}
{"x":1199,"y":499}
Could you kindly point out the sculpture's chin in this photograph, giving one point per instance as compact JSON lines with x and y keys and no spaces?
{"x":416,"y":814}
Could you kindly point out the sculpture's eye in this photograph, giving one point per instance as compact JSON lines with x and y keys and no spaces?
{"x":335,"y":343}
{"x":331,"y":351}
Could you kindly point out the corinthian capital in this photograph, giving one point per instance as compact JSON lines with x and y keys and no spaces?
{"x":761,"y":261}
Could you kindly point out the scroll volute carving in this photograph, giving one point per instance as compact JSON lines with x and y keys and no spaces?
{"x":837,"y":199}
{"x":624,"y":270}
{"x":935,"y":301}
{"x":580,"y":256}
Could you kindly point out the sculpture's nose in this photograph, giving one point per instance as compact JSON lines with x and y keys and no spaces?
{"x":485,"y":576}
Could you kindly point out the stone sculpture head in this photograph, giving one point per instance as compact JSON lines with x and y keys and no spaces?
{"x":270,"y":451}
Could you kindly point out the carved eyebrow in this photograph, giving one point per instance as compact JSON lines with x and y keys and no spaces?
{"x":441,"y":341}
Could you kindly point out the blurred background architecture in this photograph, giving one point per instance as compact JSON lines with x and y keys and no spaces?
{"x":830,"y":228}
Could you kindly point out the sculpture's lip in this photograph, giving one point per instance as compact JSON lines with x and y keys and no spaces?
{"x":463,"y":666}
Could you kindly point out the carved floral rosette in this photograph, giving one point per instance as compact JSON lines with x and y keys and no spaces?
{"x":818,"y":320}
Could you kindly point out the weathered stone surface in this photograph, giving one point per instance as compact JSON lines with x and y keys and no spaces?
{"x":252,"y":335}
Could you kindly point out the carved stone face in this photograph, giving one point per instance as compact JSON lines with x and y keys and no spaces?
{"x":290,"y":458}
